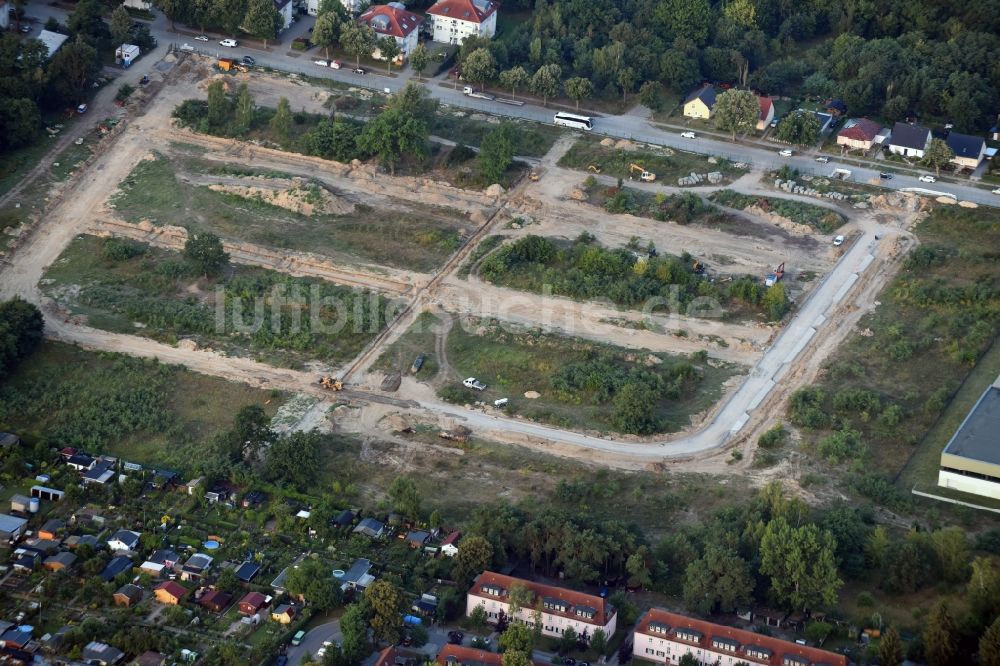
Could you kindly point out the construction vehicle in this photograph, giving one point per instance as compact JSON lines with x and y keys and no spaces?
{"x":469,"y":91}
{"x":594,"y":167}
{"x":645,"y":176}
{"x":534,"y":176}
{"x":775,"y":277}
{"x":698,"y":267}
{"x":228,"y":65}
{"x":331,"y":384}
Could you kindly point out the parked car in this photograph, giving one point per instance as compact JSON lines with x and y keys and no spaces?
{"x":250,"y":62}
{"x":455,"y":637}
{"x":569,"y":661}
{"x":774,"y":123}
{"x":823,"y":159}
{"x":996,"y":191}
{"x":838,"y":241}
{"x":885,"y":176}
{"x":787,"y":152}
{"x":358,"y":70}
{"x":474,"y":383}
{"x":927,"y":179}
{"x":688,"y":135}
{"x":25,"y":29}
{"x":282,"y":660}
{"x":335,"y":64}
{"x":201,"y":38}
{"x":81,"y":108}
{"x":321,"y":63}
{"x":231,"y":43}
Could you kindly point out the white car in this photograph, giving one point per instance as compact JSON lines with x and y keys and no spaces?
{"x":81,"y":108}
{"x":927,"y":179}
{"x":474,"y":383}
{"x":335,"y":64}
{"x":838,"y":241}
{"x":996,"y":191}
{"x":823,"y":160}
{"x":688,"y":135}
{"x":231,"y":43}
{"x":201,"y":38}
{"x":787,"y":152}
{"x":321,"y":63}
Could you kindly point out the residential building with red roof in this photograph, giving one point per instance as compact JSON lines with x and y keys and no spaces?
{"x":392,"y":20}
{"x":859,"y":134}
{"x":454,"y":20}
{"x":449,"y":547}
{"x":561,"y":608}
{"x":766,"y":112}
{"x":252,"y":602}
{"x":664,"y":637}
{"x":169,"y":592}
{"x":459,"y":655}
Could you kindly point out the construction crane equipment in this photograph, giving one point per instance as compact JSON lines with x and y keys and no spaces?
{"x":594,"y":167}
{"x":645,"y":176}
{"x":330,"y":384}
{"x":773,"y":278}
{"x":534,"y":176}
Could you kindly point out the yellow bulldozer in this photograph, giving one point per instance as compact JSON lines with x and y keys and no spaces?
{"x":330,"y":383}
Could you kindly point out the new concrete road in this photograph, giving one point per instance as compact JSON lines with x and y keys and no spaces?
{"x":627,"y":126}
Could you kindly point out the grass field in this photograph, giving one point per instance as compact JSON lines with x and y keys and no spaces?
{"x":817,"y":217}
{"x":578,"y":380}
{"x":408,"y":235}
{"x":417,"y":340}
{"x":530,"y":139}
{"x":933,"y":324}
{"x":668,"y":166}
{"x":138,"y":409}
{"x":264,"y":313}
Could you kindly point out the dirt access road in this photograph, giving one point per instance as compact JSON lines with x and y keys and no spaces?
{"x":779,"y":371}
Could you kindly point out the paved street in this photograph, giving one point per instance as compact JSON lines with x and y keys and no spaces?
{"x":313,"y":641}
{"x":629,"y":126}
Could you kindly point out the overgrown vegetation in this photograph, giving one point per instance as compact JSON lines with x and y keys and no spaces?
{"x":667,"y":164}
{"x":156,"y":293}
{"x":582,"y":383}
{"x":684,"y":208}
{"x":584,"y":270}
{"x":817,"y":217}
{"x":886,"y":387}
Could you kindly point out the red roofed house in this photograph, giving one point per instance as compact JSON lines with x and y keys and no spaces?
{"x":169,"y":592}
{"x":454,"y":20}
{"x":449,"y":547}
{"x":561,"y":608}
{"x":859,"y":134}
{"x":252,"y":603}
{"x":392,"y":20}
{"x":663,"y":637}
{"x":459,"y":655}
{"x":766,"y":112}
{"x":215,"y":601}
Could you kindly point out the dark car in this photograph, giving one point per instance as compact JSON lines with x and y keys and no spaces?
{"x":282,"y":660}
{"x":455,"y":637}
{"x":885,"y":176}
{"x":569,"y":661}
{"x":25,"y":29}
{"x":250,"y":62}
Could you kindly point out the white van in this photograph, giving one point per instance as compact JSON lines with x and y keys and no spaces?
{"x":787,"y":152}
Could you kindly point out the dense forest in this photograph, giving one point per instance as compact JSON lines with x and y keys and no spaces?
{"x":888,"y":59}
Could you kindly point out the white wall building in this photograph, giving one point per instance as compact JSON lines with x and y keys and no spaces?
{"x":663,"y":638}
{"x":285,"y":8}
{"x":970,"y":462}
{"x":454,"y":20}
{"x":353,"y":6}
{"x":561,"y":608}
{"x":393,"y":20}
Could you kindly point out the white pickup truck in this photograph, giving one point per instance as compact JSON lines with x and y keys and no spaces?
{"x":474,"y":384}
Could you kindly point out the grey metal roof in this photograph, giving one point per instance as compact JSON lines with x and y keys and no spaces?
{"x":11,"y":523}
{"x":909,"y":136}
{"x":978,"y":438}
{"x":706,"y":94}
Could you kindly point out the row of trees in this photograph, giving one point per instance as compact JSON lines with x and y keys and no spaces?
{"x":21,"y":326}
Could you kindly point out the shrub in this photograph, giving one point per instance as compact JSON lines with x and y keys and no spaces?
{"x":807,"y":409}
{"x":842,"y":445}
{"x":119,"y":249}
{"x":865,"y":600}
{"x":459,"y":154}
{"x":773,"y":438}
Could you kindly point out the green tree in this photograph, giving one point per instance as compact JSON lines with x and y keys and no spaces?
{"x":940,"y":632}
{"x":801,"y":564}
{"x":496,"y":152}
{"x":479,"y":67}
{"x":736,"y":111}
{"x":313,"y":581}
{"x":578,"y":89}
{"x":244,"y":111}
{"x":719,"y":581}
{"x":333,"y":140}
{"x":688,"y":659}
{"x":637,"y":566}
{"x":72,"y":69}
{"x":263,"y":20}
{"x":474,"y":556}
{"x":518,"y":597}
{"x":515,"y":658}
{"x":514,"y":78}
{"x":688,"y":18}
{"x":358,"y":40}
{"x":405,"y":497}
{"x":386,"y":603}
{"x":937,"y":155}
{"x":121,"y":25}
{"x":20,"y":121}
{"x":545,"y":82}
{"x":775,"y":301}
{"x":218,"y":105}
{"x":800,"y":128}
{"x":229,"y":15}
{"x":568,"y":640}
{"x":393,"y":134}
{"x":419,"y":60}
{"x":517,"y":638}
{"x":651,"y":95}
{"x":890,"y":648}
{"x":21,"y":328}
{"x":626,"y":78}
{"x":952,"y":549}
{"x":295,"y":459}
{"x":204,"y":251}
{"x":477,"y":618}
{"x":227,"y":581}
{"x":388,"y":49}
{"x":326,"y":31}
{"x":281,"y":121}
{"x":989,"y":645}
{"x":172,"y":9}
{"x":742,"y":12}
{"x":818,"y":632}
{"x":599,"y":642}
{"x":354,"y":628}
{"x":634,"y":409}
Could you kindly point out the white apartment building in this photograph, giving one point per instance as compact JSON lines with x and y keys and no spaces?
{"x":454,"y":20}
{"x":663,"y":637}
{"x":353,"y":6}
{"x":561,"y":608}
{"x":393,"y":20}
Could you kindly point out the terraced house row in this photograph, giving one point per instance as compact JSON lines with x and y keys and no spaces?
{"x":660,"y":636}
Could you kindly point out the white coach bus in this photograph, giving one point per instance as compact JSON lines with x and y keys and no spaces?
{"x":573,"y":120}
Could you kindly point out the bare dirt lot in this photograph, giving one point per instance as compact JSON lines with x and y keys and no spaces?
{"x":775,"y":359}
